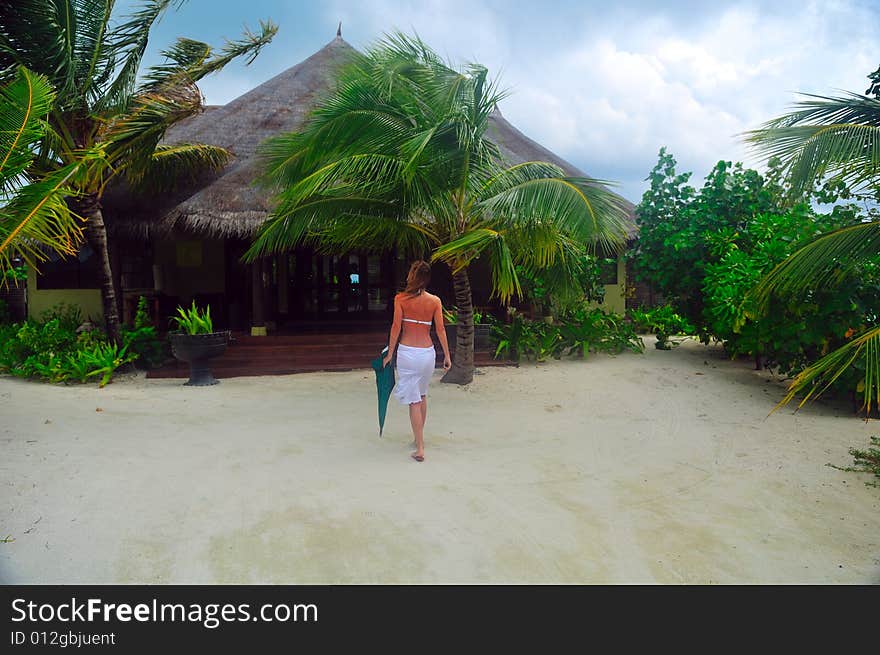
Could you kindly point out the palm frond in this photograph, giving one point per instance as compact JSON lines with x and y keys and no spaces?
{"x":134,"y":135}
{"x":817,"y":378}
{"x":321,"y":223}
{"x":827,"y":136}
{"x":189,"y":61}
{"x":24,"y":103}
{"x":582,"y":207}
{"x":127,"y":44}
{"x":38,"y":35}
{"x":38,"y":217}
{"x":93,"y":61}
{"x":824,"y":262}
{"x":171,"y":167}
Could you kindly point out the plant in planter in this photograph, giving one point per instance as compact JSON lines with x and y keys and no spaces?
{"x":664,"y":322}
{"x":482,"y":328}
{"x":195,"y":342}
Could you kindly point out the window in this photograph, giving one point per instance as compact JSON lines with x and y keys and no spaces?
{"x":78,"y":272}
{"x":608,"y":271}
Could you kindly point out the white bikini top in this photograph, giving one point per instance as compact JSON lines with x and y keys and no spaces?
{"x":412,"y":320}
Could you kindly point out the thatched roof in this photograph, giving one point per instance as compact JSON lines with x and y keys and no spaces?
{"x":229,"y":204}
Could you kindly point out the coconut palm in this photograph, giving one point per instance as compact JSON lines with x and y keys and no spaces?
{"x":33,"y":213}
{"x":93,"y":59}
{"x":398,"y":157}
{"x":834,"y":138}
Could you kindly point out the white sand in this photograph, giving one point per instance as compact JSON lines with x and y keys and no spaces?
{"x":630,"y":469}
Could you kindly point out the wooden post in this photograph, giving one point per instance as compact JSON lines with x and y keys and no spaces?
{"x":258,"y":319}
{"x":283,"y":284}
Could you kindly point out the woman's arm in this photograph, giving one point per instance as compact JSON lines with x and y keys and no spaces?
{"x":441,"y":334}
{"x":395,"y":332}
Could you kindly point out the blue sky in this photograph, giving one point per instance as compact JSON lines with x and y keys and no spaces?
{"x":604,"y":85}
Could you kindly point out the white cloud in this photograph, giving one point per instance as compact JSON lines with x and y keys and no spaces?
{"x":606,"y":89}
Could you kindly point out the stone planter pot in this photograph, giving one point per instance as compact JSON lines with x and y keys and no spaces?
{"x":482,"y":333}
{"x":197,"y":349}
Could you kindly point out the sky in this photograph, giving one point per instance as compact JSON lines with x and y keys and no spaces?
{"x":603,"y":84}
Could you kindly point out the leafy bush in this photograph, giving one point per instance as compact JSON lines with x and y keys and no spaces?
{"x":53,"y":351}
{"x":193,"y":320}
{"x":69,"y":317}
{"x":143,"y":341}
{"x":705,"y":249}
{"x":577,"y":333}
{"x":662,"y":321}
{"x":564,"y":286}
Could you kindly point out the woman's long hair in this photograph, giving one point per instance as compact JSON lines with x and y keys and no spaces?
{"x":418,"y":277}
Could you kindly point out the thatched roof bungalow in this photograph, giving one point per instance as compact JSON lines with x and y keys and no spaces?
{"x":187,"y":245}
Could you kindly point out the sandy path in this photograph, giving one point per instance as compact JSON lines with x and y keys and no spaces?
{"x":640,"y":468}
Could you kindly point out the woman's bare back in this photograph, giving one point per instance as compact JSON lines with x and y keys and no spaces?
{"x":424,"y":308}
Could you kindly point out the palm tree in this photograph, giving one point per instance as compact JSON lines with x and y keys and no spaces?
{"x":34,"y":215}
{"x":92,"y":60}
{"x":835,"y":138}
{"x":398,"y":156}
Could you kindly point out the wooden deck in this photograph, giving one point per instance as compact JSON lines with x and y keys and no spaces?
{"x":299,"y":353}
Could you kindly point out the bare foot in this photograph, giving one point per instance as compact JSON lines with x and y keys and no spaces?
{"x":419,"y":457}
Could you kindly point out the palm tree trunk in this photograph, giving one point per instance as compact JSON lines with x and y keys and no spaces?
{"x":462,"y":371}
{"x":89,"y":207}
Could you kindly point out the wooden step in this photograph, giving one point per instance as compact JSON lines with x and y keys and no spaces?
{"x":300,"y":353}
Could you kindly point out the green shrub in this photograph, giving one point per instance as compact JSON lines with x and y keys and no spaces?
{"x":578,"y":332}
{"x":586,"y":330}
{"x":53,"y":351}
{"x":662,"y":321}
{"x":143,"y":341}
{"x":69,"y":317}
{"x":193,"y":320}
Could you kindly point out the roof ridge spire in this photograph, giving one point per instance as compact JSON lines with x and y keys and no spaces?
{"x":339,"y":31}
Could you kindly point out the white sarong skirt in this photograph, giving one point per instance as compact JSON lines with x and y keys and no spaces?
{"x":414,"y":369}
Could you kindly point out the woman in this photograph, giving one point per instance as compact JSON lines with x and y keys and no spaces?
{"x":414,"y":309}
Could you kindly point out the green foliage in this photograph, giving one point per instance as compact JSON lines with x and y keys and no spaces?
{"x":865,"y":461}
{"x":51,"y":350}
{"x":194,"y":320}
{"x":683,"y":230}
{"x":587,"y":330}
{"x":577,"y":333}
{"x":563,"y":287}
{"x":662,"y":321}
{"x":706,"y":250}
{"x":450,"y":316}
{"x":142,"y":339}
{"x":15,"y":274}
{"x":69,"y":316}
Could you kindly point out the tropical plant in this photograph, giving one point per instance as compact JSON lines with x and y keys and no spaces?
{"x":591,"y":329}
{"x":509,"y":337}
{"x":683,"y":230}
{"x":34,"y":216}
{"x":865,"y":461}
{"x":399,"y":157}
{"x":836,"y":138}
{"x":142,"y":339}
{"x":93,"y":61}
{"x":194,"y":320}
{"x":664,"y":322}
{"x":450,"y":316}
{"x":52,"y":350}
